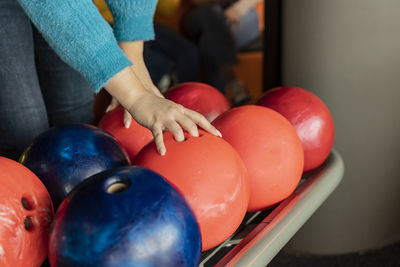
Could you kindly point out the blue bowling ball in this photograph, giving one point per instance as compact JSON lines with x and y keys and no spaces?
{"x":127,"y":216}
{"x":64,"y":156}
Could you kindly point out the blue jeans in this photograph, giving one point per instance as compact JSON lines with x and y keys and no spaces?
{"x":37,"y":89}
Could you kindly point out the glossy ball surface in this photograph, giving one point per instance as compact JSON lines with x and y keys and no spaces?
{"x":132,"y":139}
{"x":127,"y":216}
{"x":269,"y":147}
{"x":309,"y":116}
{"x":199,"y":97}
{"x":26,"y":212}
{"x":210,"y":175}
{"x":64,"y":156}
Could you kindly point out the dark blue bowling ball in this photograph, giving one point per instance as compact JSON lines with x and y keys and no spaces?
{"x":127,"y":216}
{"x":64,"y":156}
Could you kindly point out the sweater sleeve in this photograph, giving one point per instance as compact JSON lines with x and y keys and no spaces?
{"x":80,"y":36}
{"x":133,"y":19}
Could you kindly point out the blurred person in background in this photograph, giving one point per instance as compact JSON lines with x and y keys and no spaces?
{"x":221,"y":28}
{"x":171,"y":58}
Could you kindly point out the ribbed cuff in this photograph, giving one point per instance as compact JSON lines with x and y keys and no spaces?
{"x":104,"y":64}
{"x":134,"y":28}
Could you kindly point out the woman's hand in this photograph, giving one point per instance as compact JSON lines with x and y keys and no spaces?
{"x":134,"y":51}
{"x":154,"y":112}
{"x":167,"y":115}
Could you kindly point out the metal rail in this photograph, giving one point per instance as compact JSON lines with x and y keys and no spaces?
{"x":263,"y":234}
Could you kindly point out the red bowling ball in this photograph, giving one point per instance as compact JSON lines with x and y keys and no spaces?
{"x":210,"y":175}
{"x":199,"y":97}
{"x":309,"y":116}
{"x":270,"y":148}
{"x":25,"y":216}
{"x":132,"y":139}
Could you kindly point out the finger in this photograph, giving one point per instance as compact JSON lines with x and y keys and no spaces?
{"x":202,"y":122}
{"x":127,"y":119}
{"x":159,"y":140}
{"x":187,"y":124}
{"x":113,"y":105}
{"x":176,"y":130}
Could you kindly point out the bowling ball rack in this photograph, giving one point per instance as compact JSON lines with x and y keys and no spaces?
{"x":263,"y":234}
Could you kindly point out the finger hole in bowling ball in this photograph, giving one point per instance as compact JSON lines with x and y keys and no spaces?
{"x":118,"y":187}
{"x":28,"y":223}
{"x":27,"y":203}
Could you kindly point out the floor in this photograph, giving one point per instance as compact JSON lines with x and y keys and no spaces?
{"x":388,"y":256}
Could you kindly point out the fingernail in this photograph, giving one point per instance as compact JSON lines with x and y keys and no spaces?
{"x":162,"y":151}
{"x":127,"y":123}
{"x":108,"y":109}
{"x":196,"y":134}
{"x":219,"y":133}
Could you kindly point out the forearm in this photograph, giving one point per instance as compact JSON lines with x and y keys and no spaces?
{"x":134,"y":52}
{"x":125,"y":87}
{"x":80,"y":36}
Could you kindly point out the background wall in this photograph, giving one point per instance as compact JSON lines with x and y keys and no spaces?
{"x":348,"y":53}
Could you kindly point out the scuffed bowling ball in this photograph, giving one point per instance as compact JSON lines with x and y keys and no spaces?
{"x":26,"y":212}
{"x":64,"y":156}
{"x":309,"y":116}
{"x":128,"y":216}
{"x":199,"y":97}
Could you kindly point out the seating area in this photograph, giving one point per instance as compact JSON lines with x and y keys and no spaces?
{"x":250,"y":59}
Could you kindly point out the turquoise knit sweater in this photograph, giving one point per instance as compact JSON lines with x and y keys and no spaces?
{"x":84,"y":40}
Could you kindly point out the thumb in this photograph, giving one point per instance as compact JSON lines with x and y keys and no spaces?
{"x":113,"y":105}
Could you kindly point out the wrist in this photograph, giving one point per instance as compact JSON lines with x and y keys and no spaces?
{"x":125,"y":87}
{"x":133,"y":50}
